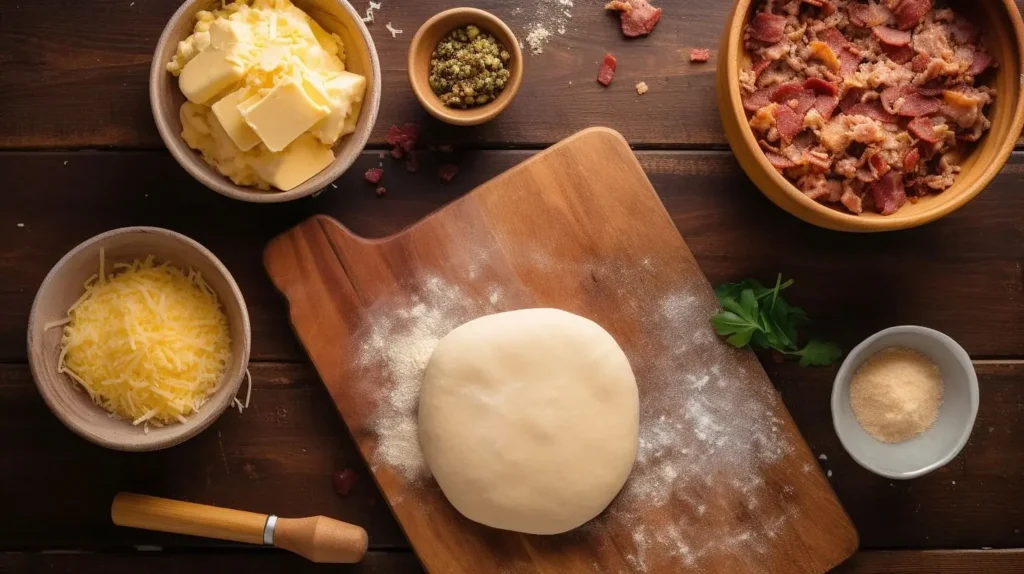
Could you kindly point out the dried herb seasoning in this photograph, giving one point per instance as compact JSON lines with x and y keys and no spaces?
{"x":469,"y":68}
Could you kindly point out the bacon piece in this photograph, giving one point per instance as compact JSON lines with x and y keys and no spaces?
{"x":821,"y":86}
{"x":760,"y":67}
{"x":786,"y":92}
{"x":767,"y":28}
{"x":981,"y":62}
{"x":758,"y":99}
{"x":899,"y":54}
{"x":923,"y":129}
{"x":873,"y":110}
{"x":910,"y":12}
{"x":343,"y":481}
{"x":891,"y":37}
{"x":911,"y":160}
{"x":914,"y":104}
{"x":826,"y":105}
{"x":920,"y":63}
{"x":869,"y":15}
{"x":788,"y":122}
{"x":607,"y":71}
{"x":850,"y":61}
{"x":888,"y":193}
{"x":851,"y":99}
{"x":878,"y":165}
{"x":637,"y":17}
{"x":447,"y":172}
{"x":851,"y":201}
{"x":374,"y":175}
{"x":779,"y":162}
{"x":834,"y":38}
{"x":403,"y":139}
{"x":700,"y":55}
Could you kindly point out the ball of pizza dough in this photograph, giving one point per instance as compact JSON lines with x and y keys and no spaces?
{"x":529,"y":419}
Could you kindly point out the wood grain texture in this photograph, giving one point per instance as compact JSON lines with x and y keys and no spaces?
{"x":961,"y":275}
{"x":560,"y":231}
{"x":71,"y":76}
{"x":269,"y":562}
{"x":291,"y":442}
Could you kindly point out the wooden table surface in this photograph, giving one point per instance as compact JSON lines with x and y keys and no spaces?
{"x":80,"y":155}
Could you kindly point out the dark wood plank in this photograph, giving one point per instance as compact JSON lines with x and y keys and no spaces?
{"x":277,"y":457}
{"x":261,"y":562}
{"x":930,"y":562}
{"x":961,"y":275}
{"x":972,"y":502}
{"x":256,"y":562}
{"x":75,"y":74}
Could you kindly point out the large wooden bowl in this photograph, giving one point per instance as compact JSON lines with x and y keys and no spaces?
{"x":1004,"y":33}
{"x":165,"y":98}
{"x":63,"y":286}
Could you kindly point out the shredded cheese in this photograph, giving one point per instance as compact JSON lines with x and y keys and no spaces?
{"x":150,"y":343}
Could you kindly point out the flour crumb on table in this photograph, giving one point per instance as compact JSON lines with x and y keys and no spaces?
{"x":541,"y":19}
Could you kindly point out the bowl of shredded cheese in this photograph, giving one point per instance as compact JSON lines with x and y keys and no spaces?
{"x":139,"y":339}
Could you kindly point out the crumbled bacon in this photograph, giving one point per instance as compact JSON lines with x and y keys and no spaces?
{"x":637,"y":17}
{"x":700,"y":55}
{"x":891,"y":37}
{"x":788,"y":122}
{"x":909,"y":13}
{"x":373,"y":175}
{"x":923,"y":129}
{"x":607,"y":72}
{"x":447,"y":172}
{"x":869,"y":15}
{"x":343,"y":481}
{"x":888,"y":193}
{"x":403,"y":139}
{"x":864,"y":98}
{"x":767,"y":28}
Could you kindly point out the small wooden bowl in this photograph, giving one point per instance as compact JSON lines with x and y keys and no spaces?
{"x":63,"y":286}
{"x":1004,"y":34}
{"x":165,"y":98}
{"x":427,"y":38}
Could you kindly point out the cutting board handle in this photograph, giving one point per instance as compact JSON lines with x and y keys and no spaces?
{"x":317,"y":538}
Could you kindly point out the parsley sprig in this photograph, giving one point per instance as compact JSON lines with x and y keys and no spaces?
{"x":755,"y":315}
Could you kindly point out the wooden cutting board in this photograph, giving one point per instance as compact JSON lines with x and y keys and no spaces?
{"x":723,"y":481}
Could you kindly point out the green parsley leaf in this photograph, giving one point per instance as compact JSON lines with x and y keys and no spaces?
{"x":758,"y":316}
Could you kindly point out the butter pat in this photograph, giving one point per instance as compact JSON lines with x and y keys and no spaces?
{"x":301,"y":160}
{"x":230,"y":117}
{"x":343,"y":93}
{"x":211,"y":72}
{"x":283,"y":115}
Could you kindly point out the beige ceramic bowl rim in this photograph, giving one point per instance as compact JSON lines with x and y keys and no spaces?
{"x":856,"y":358}
{"x":481,"y":114}
{"x":213,"y":410}
{"x":188,"y":158}
{"x":850,"y":221}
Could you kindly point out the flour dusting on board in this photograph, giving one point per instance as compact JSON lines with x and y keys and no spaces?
{"x":708,"y":432}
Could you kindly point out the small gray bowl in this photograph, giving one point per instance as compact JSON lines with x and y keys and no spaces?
{"x":936,"y":446}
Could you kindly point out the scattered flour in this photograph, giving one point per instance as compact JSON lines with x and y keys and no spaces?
{"x":541,"y":19}
{"x":708,"y":427}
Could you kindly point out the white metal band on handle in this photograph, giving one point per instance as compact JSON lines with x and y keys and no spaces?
{"x":268,"y":530}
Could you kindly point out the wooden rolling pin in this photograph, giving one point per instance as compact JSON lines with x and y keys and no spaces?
{"x":317,"y":538}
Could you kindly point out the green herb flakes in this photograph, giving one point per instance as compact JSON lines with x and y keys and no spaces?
{"x":468,"y":68}
{"x":755,"y":315}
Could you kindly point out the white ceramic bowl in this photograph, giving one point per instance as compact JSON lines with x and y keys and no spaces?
{"x":936,"y":446}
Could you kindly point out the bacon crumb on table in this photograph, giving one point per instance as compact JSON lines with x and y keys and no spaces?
{"x":381,"y":190}
{"x":700,"y":55}
{"x":865,"y":105}
{"x":607,"y":71}
{"x":374,"y":175}
{"x":447,"y":172}
{"x":637,"y":17}
{"x":344,"y":480}
{"x":641,"y":88}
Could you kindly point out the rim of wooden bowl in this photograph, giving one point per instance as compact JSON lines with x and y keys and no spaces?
{"x":427,"y":38}
{"x":993,"y":151}
{"x":165,"y":100}
{"x":128,"y":437}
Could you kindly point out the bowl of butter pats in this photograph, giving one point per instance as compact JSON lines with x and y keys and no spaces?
{"x":265,"y":100}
